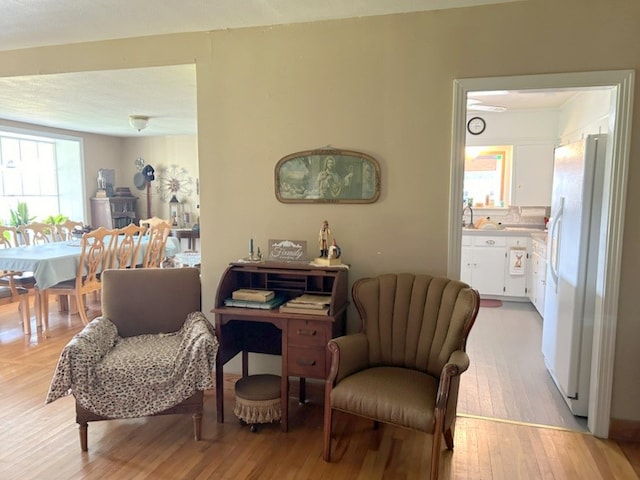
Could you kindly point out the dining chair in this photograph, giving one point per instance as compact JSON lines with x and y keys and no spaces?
{"x":12,"y":293}
{"x":125,"y":246}
{"x":147,"y":223}
{"x":36,"y":233}
{"x":65,"y":230}
{"x":8,"y":237}
{"x":95,"y":247}
{"x":20,"y":280}
{"x":156,"y":243}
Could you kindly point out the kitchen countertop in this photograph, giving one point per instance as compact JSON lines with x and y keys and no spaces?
{"x":507,"y":231}
{"x":540,"y":235}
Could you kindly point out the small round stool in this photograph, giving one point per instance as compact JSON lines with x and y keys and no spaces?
{"x":258,"y":399}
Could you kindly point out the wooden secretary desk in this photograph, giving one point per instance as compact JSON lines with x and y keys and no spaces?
{"x":301,"y":339}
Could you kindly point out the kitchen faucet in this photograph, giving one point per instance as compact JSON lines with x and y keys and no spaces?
{"x":470,"y":216}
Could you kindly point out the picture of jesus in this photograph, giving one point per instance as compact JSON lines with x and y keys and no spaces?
{"x":330,"y":183}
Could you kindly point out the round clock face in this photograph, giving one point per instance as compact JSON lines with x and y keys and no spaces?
{"x":476,"y":125}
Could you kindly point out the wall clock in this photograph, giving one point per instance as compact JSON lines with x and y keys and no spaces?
{"x":476,"y":125}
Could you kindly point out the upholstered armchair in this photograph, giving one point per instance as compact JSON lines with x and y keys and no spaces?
{"x":152,"y":352}
{"x":404,"y":366}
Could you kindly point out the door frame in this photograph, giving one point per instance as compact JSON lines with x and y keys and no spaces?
{"x":613,"y":210}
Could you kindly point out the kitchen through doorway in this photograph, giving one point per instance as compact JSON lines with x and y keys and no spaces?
{"x":613,"y":204}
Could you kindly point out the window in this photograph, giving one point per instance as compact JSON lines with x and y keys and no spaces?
{"x":487,"y":176}
{"x":44,"y":172}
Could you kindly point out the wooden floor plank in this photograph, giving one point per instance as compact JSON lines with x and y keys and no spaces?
{"x":41,"y":441}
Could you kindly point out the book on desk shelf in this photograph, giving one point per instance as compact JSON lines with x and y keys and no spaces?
{"x":309,"y":300}
{"x":286,"y":308}
{"x":264,"y":305}
{"x":253,"y":295}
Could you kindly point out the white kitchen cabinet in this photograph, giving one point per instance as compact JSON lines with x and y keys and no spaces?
{"x":532,"y":174}
{"x":483,"y":263}
{"x":517,"y":265}
{"x":538,"y":276}
{"x":497,"y":265}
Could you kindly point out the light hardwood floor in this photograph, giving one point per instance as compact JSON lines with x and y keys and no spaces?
{"x":507,"y":378}
{"x":39,"y":441}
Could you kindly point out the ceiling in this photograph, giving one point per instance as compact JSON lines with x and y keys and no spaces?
{"x":100,"y":102}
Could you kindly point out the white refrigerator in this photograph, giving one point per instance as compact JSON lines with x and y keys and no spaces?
{"x":572,"y":249}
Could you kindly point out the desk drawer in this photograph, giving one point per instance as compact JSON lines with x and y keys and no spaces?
{"x":308,"y":333}
{"x":307,"y":362}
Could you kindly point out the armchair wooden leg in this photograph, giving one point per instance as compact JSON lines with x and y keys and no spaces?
{"x":197,"y":425}
{"x":435,"y":450}
{"x":448,"y":438}
{"x":82,"y":430}
{"x":327,"y":431}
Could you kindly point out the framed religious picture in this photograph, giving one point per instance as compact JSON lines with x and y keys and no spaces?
{"x":327,"y":176}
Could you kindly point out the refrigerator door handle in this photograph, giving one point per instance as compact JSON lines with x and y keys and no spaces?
{"x":556,"y":225}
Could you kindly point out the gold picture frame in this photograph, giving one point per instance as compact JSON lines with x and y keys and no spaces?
{"x":327,"y":176}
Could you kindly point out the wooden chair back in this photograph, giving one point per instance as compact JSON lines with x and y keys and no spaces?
{"x":125,"y":246}
{"x":65,"y":230}
{"x":156,"y":244}
{"x":147,"y":223}
{"x":8,"y":237}
{"x":94,"y":258}
{"x":36,"y":233}
{"x":95,"y":248}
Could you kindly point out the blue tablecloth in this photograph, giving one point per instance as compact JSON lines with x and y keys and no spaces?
{"x":52,"y":263}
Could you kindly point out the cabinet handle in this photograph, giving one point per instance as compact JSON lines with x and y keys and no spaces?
{"x":305,"y":363}
{"x":307,"y":333}
{"x":490,"y":242}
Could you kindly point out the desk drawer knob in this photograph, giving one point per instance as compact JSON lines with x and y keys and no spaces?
{"x":307,"y":333}
{"x":305,"y":363}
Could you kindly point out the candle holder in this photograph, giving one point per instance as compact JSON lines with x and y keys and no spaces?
{"x":254,"y":256}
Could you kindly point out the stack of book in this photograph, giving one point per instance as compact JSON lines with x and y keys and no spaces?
{"x":250,"y":298}
{"x":308,"y":304}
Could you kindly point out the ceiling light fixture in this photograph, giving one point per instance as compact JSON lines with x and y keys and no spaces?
{"x":139,"y":122}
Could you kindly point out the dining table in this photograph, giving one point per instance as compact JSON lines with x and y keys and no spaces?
{"x":55,"y":262}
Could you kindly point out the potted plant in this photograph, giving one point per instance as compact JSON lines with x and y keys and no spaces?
{"x":20,"y":216}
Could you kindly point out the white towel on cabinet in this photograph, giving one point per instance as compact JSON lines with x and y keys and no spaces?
{"x":517,"y":260}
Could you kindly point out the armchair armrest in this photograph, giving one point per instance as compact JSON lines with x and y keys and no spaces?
{"x":349,"y":354}
{"x":83,"y":351}
{"x":95,"y":339}
{"x":458,"y":363}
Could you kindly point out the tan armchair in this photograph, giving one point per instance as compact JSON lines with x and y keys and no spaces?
{"x":404,"y":366}
{"x":151,"y":353}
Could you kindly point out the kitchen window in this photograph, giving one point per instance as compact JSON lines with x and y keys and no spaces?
{"x":487,"y":176}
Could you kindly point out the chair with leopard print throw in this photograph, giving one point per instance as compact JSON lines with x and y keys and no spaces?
{"x":152,"y":352}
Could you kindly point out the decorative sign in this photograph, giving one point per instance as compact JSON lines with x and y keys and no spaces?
{"x":288,"y":250}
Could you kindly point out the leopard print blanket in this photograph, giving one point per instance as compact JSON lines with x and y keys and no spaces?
{"x":136,"y":376}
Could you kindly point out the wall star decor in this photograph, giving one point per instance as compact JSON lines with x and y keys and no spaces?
{"x":327,"y":176}
{"x":173,"y":180}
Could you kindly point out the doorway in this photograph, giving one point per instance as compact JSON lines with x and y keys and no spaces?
{"x":613,"y":206}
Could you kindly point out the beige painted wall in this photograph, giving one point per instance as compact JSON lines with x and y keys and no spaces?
{"x":162,"y":152}
{"x":383,"y":86}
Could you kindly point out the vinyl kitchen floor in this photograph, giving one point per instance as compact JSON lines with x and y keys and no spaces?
{"x":507,"y":378}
